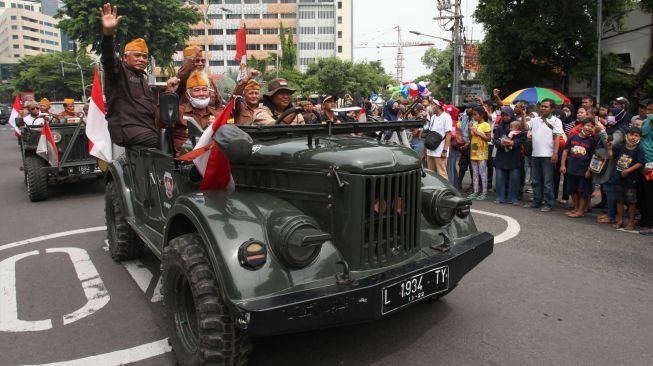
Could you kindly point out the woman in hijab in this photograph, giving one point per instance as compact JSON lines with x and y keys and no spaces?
{"x":508,"y":140}
{"x":615,"y":124}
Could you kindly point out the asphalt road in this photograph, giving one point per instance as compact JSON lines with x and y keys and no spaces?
{"x":561,"y":292}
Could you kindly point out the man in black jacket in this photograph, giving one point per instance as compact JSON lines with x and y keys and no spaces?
{"x":130,"y":107}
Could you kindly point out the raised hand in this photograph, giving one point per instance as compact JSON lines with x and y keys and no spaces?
{"x":110,"y":19}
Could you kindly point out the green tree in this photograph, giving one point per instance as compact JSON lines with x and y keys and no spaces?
{"x":7,"y":93}
{"x":337,"y":77}
{"x":42,"y":75}
{"x":164,"y":24}
{"x":539,"y":42}
{"x":440,"y":63}
{"x":288,"y":48}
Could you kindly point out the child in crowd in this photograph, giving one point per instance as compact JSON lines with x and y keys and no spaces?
{"x":480,"y":131}
{"x":629,"y":160}
{"x":575,"y":163}
{"x":515,"y":130}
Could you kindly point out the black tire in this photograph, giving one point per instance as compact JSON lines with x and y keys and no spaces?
{"x":36,"y":179}
{"x":124,"y":243}
{"x":201,"y":328}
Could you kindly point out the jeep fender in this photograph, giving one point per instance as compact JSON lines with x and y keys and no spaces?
{"x":227,"y":220}
{"x":118,"y":173}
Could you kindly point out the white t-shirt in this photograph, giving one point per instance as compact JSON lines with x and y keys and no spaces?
{"x":33,"y":121}
{"x":543,"y":135}
{"x":440,"y":124}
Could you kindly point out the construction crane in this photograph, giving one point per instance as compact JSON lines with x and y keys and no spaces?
{"x":399,"y":63}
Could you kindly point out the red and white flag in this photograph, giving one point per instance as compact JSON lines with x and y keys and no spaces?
{"x":241,"y":51}
{"x":47,"y":148}
{"x":212,"y":164}
{"x":15,"y":112}
{"x":362,"y":116}
{"x":97,"y":128}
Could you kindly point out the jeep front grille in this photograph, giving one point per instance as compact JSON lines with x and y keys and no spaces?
{"x":79,"y":150}
{"x":391,"y":217}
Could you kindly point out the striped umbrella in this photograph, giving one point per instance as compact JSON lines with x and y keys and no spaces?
{"x":536,"y":95}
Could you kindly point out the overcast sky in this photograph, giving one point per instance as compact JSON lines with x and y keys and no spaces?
{"x":374,"y":21}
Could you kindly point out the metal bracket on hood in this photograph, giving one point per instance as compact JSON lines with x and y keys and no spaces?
{"x":341,"y":183}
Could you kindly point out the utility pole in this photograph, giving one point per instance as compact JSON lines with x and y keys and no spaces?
{"x":400,"y":56}
{"x":456,"y":37}
{"x":599,"y":35}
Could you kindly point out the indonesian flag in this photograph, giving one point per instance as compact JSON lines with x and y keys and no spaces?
{"x":97,"y":130}
{"x":15,"y":112}
{"x":362,"y":116}
{"x":209,"y":160}
{"x":47,"y":148}
{"x":241,"y":50}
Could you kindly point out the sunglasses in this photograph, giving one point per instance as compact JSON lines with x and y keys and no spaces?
{"x":30,"y":108}
{"x":200,"y":60}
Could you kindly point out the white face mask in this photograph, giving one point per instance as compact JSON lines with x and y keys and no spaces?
{"x":199,"y":103}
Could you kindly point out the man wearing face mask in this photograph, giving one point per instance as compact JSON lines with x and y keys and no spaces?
{"x":197,"y":106}
{"x":194,"y":60}
{"x":130,"y":107}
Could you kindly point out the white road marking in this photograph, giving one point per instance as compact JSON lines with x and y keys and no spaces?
{"x":9,"y":321}
{"x":96,"y":293}
{"x":50,"y":236}
{"x":511,"y":231}
{"x":121,"y":357}
{"x":139,"y":273}
{"x":115,"y":358}
{"x":156,"y":296}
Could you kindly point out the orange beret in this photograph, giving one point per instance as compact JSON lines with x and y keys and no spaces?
{"x":69,"y":101}
{"x":195,"y":80}
{"x":252,"y":85}
{"x":188,"y":51}
{"x":138,"y":45}
{"x":45,"y":101}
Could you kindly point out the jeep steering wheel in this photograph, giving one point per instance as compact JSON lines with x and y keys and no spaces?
{"x":286,"y":113}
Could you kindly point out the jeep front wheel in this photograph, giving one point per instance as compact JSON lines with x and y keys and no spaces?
{"x":201,"y":328}
{"x":36,"y":178}
{"x":124,"y":243}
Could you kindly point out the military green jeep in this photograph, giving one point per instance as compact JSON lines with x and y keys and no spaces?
{"x":324,"y":228}
{"x":74,"y":161}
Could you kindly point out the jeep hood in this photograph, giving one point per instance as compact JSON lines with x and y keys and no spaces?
{"x":351,"y":154}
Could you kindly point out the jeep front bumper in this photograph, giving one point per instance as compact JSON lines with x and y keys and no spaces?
{"x":361,"y":301}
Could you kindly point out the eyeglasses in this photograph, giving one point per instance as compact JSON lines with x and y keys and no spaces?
{"x":200,"y":60}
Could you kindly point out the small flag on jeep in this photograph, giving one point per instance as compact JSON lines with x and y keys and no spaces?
{"x":97,"y":128}
{"x":47,"y":148}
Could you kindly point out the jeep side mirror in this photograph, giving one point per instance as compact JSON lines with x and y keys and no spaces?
{"x":19,"y":122}
{"x":169,"y":109}
{"x":194,"y":128}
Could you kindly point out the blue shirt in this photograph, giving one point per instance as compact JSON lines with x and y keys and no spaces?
{"x":579,"y":154}
{"x":624,"y":159}
{"x":464,"y":126}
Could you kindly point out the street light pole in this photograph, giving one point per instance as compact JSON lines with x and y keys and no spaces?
{"x":599,"y":35}
{"x":81,"y":73}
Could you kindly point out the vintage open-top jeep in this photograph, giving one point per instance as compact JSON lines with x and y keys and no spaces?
{"x":324,"y":228}
{"x":74,"y":160}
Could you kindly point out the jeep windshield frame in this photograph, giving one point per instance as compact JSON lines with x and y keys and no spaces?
{"x":329,"y":128}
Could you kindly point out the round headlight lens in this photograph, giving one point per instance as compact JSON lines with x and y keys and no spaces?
{"x":297,"y":239}
{"x":438,"y":205}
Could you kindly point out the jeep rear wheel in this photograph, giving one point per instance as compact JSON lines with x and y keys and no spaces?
{"x":201,"y":328}
{"x":124,"y":243}
{"x":36,"y":178}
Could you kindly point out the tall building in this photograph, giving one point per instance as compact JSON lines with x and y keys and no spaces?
{"x":327,"y":23}
{"x":50,"y":7}
{"x":25,"y":31}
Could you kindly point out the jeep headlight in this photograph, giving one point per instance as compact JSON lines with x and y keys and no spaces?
{"x":440,"y":205}
{"x":296,"y":239}
{"x":56,"y":136}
